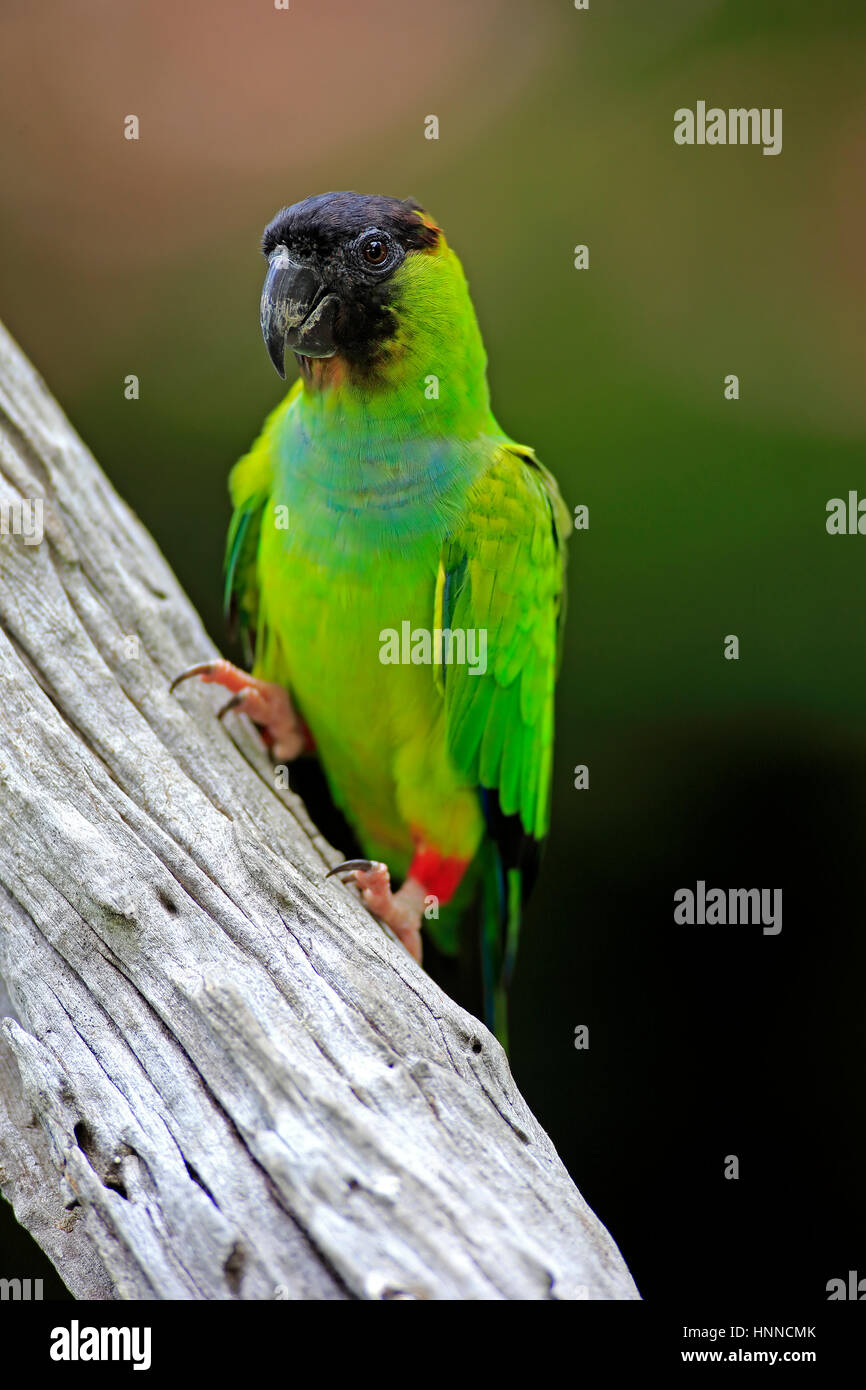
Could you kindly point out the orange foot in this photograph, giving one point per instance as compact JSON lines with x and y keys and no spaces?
{"x":401,"y":911}
{"x":267,"y":705}
{"x":429,"y":875}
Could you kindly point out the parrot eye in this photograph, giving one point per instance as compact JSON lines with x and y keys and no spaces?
{"x":374,"y":251}
{"x":377,"y":250}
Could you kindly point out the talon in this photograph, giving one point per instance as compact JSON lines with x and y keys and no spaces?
{"x":204,"y":668}
{"x":401,"y":911}
{"x":267,"y":704}
{"x":232,"y":703}
{"x":365,"y":865}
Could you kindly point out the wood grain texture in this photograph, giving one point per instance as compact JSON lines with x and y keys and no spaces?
{"x":221,"y":1077}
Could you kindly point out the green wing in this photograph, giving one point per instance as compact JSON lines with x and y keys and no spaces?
{"x":503,"y":573}
{"x":251,"y":488}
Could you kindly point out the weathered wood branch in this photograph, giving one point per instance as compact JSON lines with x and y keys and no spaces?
{"x":223,"y":1078}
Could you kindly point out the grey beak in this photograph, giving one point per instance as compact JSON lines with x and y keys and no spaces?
{"x":297,"y":311}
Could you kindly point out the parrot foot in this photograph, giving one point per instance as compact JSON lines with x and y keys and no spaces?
{"x":267,"y":705}
{"x":401,"y":911}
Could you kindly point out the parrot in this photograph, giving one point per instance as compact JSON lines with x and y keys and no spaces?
{"x":396,"y":565}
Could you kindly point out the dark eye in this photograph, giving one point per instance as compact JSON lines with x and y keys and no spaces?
{"x":375,"y":251}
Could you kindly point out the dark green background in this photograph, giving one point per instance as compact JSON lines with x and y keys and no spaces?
{"x":706,"y":516}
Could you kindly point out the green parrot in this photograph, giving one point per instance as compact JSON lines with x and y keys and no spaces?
{"x":397,"y":564}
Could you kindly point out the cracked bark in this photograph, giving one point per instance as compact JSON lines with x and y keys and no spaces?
{"x":219,"y":1076}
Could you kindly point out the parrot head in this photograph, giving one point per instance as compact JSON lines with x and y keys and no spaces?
{"x":355,"y":278}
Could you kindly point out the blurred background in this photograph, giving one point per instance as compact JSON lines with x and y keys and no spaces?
{"x":707,"y":516}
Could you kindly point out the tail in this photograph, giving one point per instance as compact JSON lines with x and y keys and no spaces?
{"x":502,"y":894}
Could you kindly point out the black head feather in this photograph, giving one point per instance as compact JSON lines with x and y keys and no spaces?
{"x":326,"y":222}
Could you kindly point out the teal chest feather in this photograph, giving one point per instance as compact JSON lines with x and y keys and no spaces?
{"x":354,"y":500}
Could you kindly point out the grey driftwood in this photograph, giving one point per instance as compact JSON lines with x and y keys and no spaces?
{"x":219,"y":1076}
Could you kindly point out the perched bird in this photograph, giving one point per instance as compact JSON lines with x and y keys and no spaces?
{"x":382,"y":505}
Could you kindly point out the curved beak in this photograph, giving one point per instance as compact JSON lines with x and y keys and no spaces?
{"x":297,"y":312}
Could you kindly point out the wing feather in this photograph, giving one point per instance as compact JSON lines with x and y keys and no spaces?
{"x":251,"y":485}
{"x":503,"y":571}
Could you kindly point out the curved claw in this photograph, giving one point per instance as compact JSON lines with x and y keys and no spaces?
{"x":203,"y":668}
{"x":349,"y":865}
{"x":231,"y":704}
